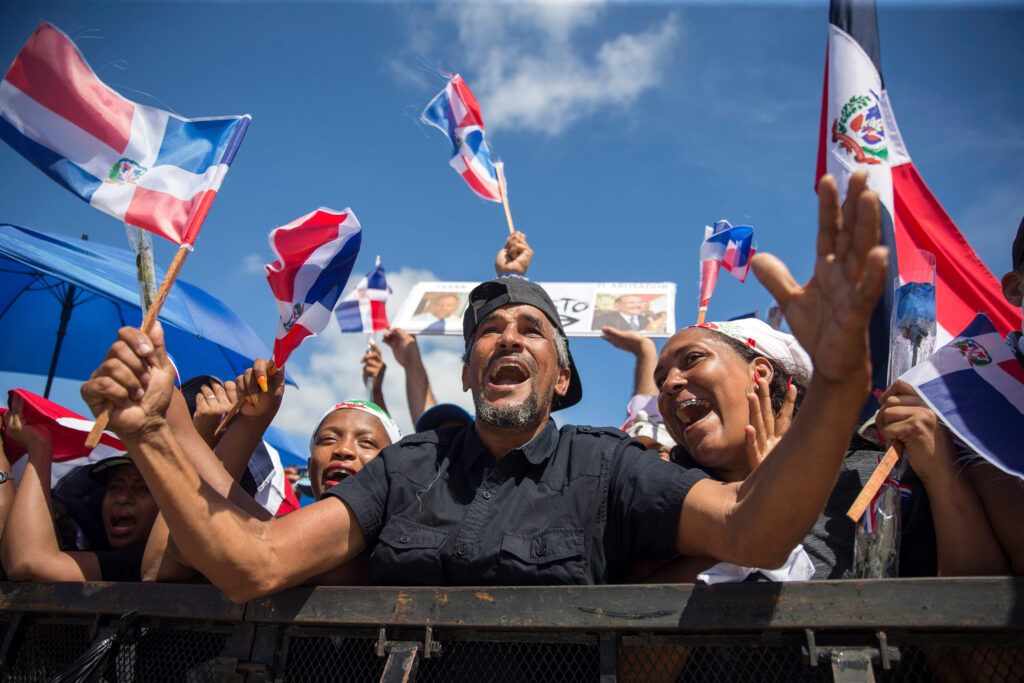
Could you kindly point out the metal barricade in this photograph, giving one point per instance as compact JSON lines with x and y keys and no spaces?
{"x":888,"y":630}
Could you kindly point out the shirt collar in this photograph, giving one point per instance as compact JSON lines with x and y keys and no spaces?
{"x":536,"y":451}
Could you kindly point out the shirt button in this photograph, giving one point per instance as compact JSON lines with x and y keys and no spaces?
{"x":460,"y":550}
{"x":403,"y":539}
{"x":542,"y":551}
{"x":486,"y":495}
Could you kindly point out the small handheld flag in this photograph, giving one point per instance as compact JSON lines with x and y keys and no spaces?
{"x":315,"y":255}
{"x":142,"y":165}
{"x":726,"y":246}
{"x":363,"y":309}
{"x":455,"y":112}
{"x":975,"y":385}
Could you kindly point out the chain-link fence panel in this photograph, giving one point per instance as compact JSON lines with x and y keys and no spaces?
{"x":44,"y":647}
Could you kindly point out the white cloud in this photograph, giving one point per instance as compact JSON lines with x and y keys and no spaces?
{"x":252,"y":264}
{"x":334,"y":372}
{"x":532,"y":68}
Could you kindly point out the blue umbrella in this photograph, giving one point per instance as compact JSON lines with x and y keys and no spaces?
{"x":62,"y":301}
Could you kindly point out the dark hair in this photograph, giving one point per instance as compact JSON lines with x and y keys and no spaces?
{"x":780,"y":374}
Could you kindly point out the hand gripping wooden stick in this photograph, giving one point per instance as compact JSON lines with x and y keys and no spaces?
{"x":147,"y":322}
{"x":271,"y":369}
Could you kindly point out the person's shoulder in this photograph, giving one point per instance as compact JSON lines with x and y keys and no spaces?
{"x":427,"y":442}
{"x":597,"y":437}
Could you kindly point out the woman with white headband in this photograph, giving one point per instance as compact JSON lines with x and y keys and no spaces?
{"x":349,"y":435}
{"x":729,"y":390}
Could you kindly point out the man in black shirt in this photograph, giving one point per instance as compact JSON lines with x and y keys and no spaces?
{"x":509,"y":499}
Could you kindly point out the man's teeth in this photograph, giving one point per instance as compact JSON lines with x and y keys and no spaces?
{"x":508,"y":373}
{"x":692,"y":410}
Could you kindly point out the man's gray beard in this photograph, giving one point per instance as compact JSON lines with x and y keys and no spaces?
{"x":509,"y":417}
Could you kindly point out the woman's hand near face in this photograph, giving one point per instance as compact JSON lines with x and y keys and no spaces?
{"x":766,"y":428}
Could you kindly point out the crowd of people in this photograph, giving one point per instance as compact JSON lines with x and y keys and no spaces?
{"x":740,"y":459}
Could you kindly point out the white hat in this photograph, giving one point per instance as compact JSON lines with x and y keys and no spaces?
{"x":766,"y":341}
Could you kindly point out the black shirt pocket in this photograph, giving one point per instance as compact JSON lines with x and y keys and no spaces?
{"x":408,"y":552}
{"x":552,"y":556}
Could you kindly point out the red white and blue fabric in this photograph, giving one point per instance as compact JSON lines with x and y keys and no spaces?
{"x":726,"y":246}
{"x":273,"y":490}
{"x":976,"y":385}
{"x":69,"y":430}
{"x":142,"y":165}
{"x":859,"y":132}
{"x":456,"y":113}
{"x":364,"y":308}
{"x":315,"y":255}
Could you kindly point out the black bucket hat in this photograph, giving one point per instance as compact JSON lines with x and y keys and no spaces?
{"x":493,"y":294}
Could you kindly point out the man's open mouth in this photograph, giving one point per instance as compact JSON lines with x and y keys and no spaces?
{"x":692,"y":410}
{"x":507,"y":373}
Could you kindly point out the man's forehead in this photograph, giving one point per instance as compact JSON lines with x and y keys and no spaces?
{"x":514,"y":311}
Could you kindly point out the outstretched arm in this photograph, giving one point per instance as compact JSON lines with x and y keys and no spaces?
{"x":244,"y":556}
{"x":417,"y":384}
{"x":757,"y":522}
{"x":30,"y":549}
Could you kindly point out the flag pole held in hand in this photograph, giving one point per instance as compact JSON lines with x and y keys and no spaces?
{"x":499,"y":166}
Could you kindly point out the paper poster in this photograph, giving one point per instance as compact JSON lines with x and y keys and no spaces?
{"x":584,"y":307}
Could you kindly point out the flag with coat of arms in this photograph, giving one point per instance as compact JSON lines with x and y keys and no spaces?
{"x":859,"y":132}
{"x":315,"y":255}
{"x":455,"y":112}
{"x":975,"y":384}
{"x":142,"y":165}
{"x":364,"y":308}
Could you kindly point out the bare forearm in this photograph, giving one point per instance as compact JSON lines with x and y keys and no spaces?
{"x":781,"y":499}
{"x":646,"y":360}
{"x":221,"y":476}
{"x":965,"y":542}
{"x":29,"y":544}
{"x":6,"y":491}
{"x":241,"y":555}
{"x":417,"y":390}
{"x":1002,"y":497}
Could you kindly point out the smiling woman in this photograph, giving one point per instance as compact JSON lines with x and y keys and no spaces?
{"x":349,"y":435}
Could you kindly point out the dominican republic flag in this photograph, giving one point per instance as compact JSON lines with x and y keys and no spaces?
{"x":726,"y":246}
{"x":456,"y":113}
{"x":859,"y":132}
{"x":363,"y":310}
{"x":144,"y":166}
{"x":315,"y":255}
{"x":976,"y":385}
{"x":69,"y":430}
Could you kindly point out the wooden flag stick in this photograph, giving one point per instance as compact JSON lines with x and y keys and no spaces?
{"x":700,"y":315}
{"x":147,"y":322}
{"x":230,"y":415}
{"x":878,"y":477}
{"x":499,"y":166}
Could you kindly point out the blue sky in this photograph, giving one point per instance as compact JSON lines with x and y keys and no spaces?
{"x":624,"y":129}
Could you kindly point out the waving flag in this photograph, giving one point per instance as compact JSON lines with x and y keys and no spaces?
{"x":69,"y":430}
{"x":976,"y":385}
{"x":456,"y":113}
{"x":142,"y":165}
{"x":726,"y":246}
{"x":363,"y":310}
{"x":859,"y":132}
{"x":315,"y":255}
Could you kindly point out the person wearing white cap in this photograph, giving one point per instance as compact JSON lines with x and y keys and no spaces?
{"x":349,"y":435}
{"x":730,"y":390}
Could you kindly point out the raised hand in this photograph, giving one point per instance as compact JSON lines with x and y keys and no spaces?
{"x":136,"y":380}
{"x":36,"y":439}
{"x":373,"y":365}
{"x":264,"y":391}
{"x":514,"y":256}
{"x":829,"y":315}
{"x":403,"y":346}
